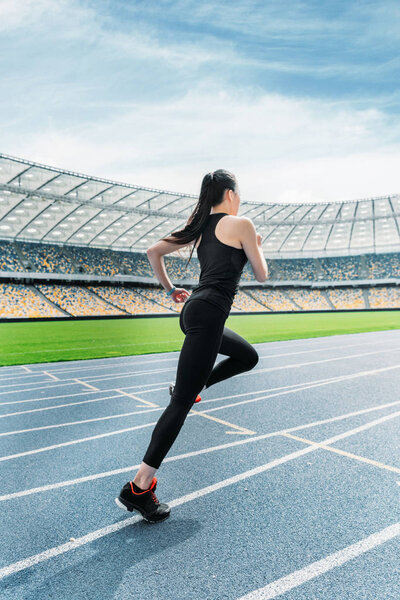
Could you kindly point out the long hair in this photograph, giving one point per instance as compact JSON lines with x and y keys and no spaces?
{"x":211,"y":193}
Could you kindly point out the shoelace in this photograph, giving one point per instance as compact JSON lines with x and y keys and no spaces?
{"x":154,"y":497}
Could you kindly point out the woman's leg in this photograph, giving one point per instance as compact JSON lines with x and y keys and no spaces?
{"x":204,"y":326}
{"x":242,"y":357}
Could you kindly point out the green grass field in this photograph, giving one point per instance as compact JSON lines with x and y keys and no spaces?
{"x":25,"y":343}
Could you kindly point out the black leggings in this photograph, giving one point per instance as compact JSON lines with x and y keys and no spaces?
{"x":206,"y":335}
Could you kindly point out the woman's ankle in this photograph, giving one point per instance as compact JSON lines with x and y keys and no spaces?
{"x":144,"y":477}
{"x":143,"y":484}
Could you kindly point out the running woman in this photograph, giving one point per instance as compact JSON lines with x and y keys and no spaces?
{"x":224,"y":243}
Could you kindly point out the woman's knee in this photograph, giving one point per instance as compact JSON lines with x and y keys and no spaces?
{"x":251,"y":358}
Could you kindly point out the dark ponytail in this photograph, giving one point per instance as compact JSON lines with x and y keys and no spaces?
{"x":211,"y":193}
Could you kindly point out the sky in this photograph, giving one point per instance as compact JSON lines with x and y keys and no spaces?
{"x":299,"y":99}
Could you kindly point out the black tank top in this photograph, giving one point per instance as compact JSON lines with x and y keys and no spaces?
{"x":221,"y":267}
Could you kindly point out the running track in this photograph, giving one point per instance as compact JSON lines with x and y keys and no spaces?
{"x":283,"y":482}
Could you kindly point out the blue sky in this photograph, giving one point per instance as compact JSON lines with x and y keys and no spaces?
{"x":300,"y":99}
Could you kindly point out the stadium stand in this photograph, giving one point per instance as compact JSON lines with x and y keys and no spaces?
{"x":77,"y":300}
{"x":9,"y":259}
{"x":345,"y":298}
{"x":18,"y":300}
{"x":384,"y":297}
{"x":72,"y":245}
{"x":135,"y":300}
{"x":84,"y":299}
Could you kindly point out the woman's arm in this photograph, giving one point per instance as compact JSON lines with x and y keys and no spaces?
{"x":157,"y":262}
{"x":155,"y":255}
{"x":251,"y":242}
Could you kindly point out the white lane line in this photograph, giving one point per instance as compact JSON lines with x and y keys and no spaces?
{"x":26,"y":369}
{"x":74,"y":442}
{"x":67,"y":382}
{"x":138,"y":387}
{"x":330,"y":420}
{"x":35,"y":389}
{"x":51,"y":376}
{"x":91,"y":387}
{"x":369,"y":461}
{"x":306,"y":387}
{"x":212,"y":449}
{"x":119,"y":416}
{"x":26,"y":375}
{"x":245,"y":374}
{"x":331,"y":343}
{"x":134,"y":361}
{"x":99,"y":533}
{"x":120,"y":431}
{"x":315,"y":569}
{"x":254,"y":371}
{"x":32,"y":410}
{"x":156,"y":389}
{"x":239,"y":429}
{"x":137,"y":398}
{"x":354,"y":413}
{"x":53,"y":486}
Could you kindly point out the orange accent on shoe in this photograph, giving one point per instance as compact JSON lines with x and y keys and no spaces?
{"x":198,"y":398}
{"x":150,"y":488}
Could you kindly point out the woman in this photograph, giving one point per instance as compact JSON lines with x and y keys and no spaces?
{"x":224,"y":243}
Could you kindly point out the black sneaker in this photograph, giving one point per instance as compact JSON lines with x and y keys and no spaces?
{"x":171,"y":391}
{"x":145,"y":503}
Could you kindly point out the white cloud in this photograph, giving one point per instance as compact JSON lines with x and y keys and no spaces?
{"x":280,"y":149}
{"x":79,"y":104}
{"x":31,"y":14}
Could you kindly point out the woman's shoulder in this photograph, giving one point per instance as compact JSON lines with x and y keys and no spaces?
{"x":229,"y":230}
{"x":237,"y":223}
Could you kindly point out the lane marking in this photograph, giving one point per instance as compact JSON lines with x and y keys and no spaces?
{"x":72,"y":395}
{"x":199,"y":452}
{"x":93,"y":420}
{"x":134,"y":362}
{"x":51,"y":376}
{"x":110,"y":361}
{"x":329,"y":562}
{"x":241,"y":430}
{"x":66,"y":382}
{"x":130,"y":395}
{"x":254,"y":371}
{"x":370,"y":461}
{"x":73,"y":442}
{"x":323,"y":381}
{"x":305,"y":387}
{"x":26,"y":375}
{"x":91,"y":387}
{"x":120,"y":431}
{"x":32,"y":410}
{"x":99,"y":533}
{"x":55,"y":385}
{"x":246,"y":374}
{"x":315,"y":569}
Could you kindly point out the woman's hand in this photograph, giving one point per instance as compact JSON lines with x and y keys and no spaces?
{"x":180,"y":295}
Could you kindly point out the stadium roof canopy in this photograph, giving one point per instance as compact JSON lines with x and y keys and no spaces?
{"x":44,"y":204}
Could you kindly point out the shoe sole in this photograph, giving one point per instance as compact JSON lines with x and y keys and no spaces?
{"x":130,"y":508}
